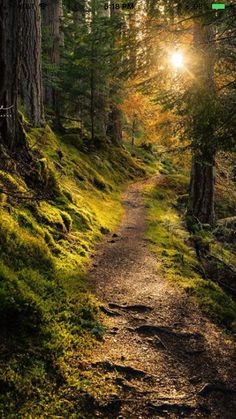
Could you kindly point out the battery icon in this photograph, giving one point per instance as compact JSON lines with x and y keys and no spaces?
{"x":218,"y":6}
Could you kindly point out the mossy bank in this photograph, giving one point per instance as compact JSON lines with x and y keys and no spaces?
{"x":52,"y":214}
{"x":186,"y":256}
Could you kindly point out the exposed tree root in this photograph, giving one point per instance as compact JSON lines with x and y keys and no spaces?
{"x":129,"y":371}
{"x":140,"y":308}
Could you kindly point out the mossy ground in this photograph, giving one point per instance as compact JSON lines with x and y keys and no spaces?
{"x":49,"y":320}
{"x":176,"y":256}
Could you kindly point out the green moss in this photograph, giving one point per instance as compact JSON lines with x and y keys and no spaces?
{"x":20,"y":308}
{"x":99,"y":183}
{"x":19,"y":248}
{"x":82,"y":218}
{"x":27,"y":221}
{"x":51,"y":215}
{"x":11,"y":183}
{"x":147,"y":156}
{"x":66,"y":220}
{"x":214,"y":301}
{"x":73,"y":139}
{"x":225,"y":203}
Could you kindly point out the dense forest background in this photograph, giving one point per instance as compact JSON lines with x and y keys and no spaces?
{"x":90,"y":100}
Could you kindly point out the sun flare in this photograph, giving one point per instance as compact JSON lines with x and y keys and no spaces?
{"x":177,"y":60}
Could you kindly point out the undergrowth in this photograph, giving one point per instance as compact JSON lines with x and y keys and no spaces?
{"x":49,"y":321}
{"x":176,"y":256}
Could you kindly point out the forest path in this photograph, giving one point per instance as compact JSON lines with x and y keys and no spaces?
{"x":172,"y":361}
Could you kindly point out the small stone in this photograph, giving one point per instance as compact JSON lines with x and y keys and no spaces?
{"x":104,"y":230}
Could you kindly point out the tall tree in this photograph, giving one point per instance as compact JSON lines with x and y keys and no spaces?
{"x":202,"y":126}
{"x":114,"y":123}
{"x":10,"y":62}
{"x":51,"y":17}
{"x":31,"y":72}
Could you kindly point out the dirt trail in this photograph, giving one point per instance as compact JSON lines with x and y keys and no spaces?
{"x":172,"y":361}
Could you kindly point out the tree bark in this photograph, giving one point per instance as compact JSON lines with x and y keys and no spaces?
{"x":114,"y":129}
{"x":202,"y":187}
{"x":51,"y":15}
{"x":31,"y":72}
{"x":10,"y":54}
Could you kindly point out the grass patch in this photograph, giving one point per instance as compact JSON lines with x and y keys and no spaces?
{"x":171,"y":242}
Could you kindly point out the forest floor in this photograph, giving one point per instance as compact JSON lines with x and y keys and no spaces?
{"x":165,"y":357}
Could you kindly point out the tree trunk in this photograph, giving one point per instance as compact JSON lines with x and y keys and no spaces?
{"x":97,"y":78}
{"x":202,"y":188}
{"x":51,"y":15}
{"x":114,"y":123}
{"x":203,"y":101}
{"x":11,"y":133}
{"x":92,"y":93}
{"x":31,"y":73}
{"x":114,"y":129}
